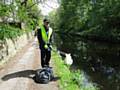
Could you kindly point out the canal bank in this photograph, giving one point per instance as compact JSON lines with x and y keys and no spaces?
{"x":98,"y":60}
{"x":70,"y":79}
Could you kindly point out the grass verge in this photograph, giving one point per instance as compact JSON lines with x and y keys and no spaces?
{"x":70,"y":80}
{"x":65,"y":81}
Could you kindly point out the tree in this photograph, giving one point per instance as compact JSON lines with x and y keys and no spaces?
{"x":19,"y":11}
{"x":85,"y":15}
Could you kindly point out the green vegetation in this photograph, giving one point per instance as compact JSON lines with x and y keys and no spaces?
{"x":70,"y":80}
{"x":17,"y":16}
{"x":99,"y":18}
{"x":9,"y":32}
{"x":66,"y":82}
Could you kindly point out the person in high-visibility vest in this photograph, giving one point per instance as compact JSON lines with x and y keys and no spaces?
{"x":44,"y":33}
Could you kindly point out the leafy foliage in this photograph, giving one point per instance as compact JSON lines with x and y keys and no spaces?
{"x":98,"y":16}
{"x":16,"y":13}
{"x":25,"y":11}
{"x":9,"y":32}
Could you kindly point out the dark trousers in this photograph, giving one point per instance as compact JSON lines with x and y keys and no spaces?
{"x":45,"y":57}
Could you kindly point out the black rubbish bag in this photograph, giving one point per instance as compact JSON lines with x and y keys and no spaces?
{"x":44,"y":75}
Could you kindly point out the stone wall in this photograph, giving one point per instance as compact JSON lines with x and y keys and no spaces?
{"x":9,"y":47}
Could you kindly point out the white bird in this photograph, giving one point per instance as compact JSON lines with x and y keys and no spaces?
{"x":68,"y":59}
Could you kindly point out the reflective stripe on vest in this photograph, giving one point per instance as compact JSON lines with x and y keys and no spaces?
{"x":45,"y":37}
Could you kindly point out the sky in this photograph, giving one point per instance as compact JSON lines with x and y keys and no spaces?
{"x":48,"y":6}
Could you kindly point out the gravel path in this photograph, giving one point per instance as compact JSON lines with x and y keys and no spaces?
{"x":18,"y":73}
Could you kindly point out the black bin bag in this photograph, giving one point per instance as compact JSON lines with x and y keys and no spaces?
{"x":44,"y":75}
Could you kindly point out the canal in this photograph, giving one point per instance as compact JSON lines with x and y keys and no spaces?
{"x":100,"y":61}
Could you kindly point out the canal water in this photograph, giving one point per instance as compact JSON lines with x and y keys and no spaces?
{"x":100,"y":61}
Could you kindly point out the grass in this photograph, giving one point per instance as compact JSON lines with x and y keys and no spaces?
{"x":70,"y":80}
{"x":65,"y":82}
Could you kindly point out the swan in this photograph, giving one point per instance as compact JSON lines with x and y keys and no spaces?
{"x":68,"y":59}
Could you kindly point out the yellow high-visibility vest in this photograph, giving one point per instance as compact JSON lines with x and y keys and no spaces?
{"x":46,"y":37}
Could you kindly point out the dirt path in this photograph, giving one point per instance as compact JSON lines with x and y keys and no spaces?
{"x":19,"y":72}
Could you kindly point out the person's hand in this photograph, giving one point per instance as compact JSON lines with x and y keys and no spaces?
{"x":46,"y":46}
{"x":50,"y":47}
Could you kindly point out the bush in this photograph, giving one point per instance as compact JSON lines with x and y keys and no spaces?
{"x":7,"y":31}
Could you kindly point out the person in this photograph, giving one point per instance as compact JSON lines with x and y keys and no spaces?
{"x":44,"y":34}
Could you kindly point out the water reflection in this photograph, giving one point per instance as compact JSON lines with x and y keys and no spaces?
{"x":100,"y":61}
